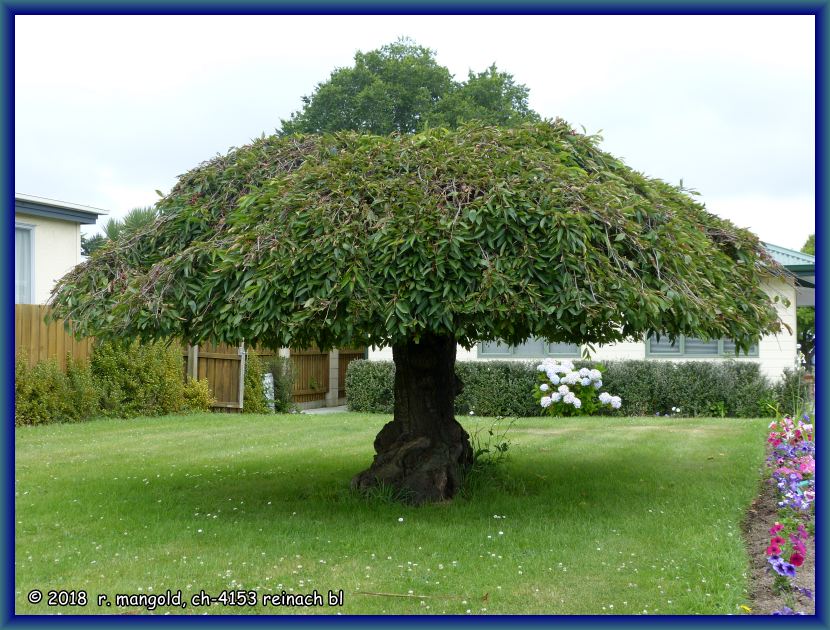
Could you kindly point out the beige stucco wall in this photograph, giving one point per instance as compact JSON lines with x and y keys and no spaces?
{"x":57,"y":248}
{"x":775,"y":352}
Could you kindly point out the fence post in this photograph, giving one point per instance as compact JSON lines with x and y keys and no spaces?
{"x":242,"y":355}
{"x":193,"y":362}
{"x":333,"y":395}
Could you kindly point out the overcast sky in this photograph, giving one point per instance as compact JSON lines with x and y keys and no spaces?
{"x":110,"y":108}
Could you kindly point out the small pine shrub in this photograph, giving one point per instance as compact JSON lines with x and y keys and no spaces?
{"x":282,"y":369}
{"x":138,"y":379}
{"x":254,"y":397}
{"x":197,"y":395}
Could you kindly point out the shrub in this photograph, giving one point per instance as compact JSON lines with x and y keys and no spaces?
{"x":791,"y":393}
{"x":138,"y":379}
{"x":370,"y":386}
{"x":197,"y":395}
{"x":282,"y":369}
{"x":636,"y":383}
{"x":83,"y":392}
{"x":566,"y":390}
{"x":494,"y":388}
{"x":748,"y":391}
{"x":42,"y":393}
{"x":254,"y":396}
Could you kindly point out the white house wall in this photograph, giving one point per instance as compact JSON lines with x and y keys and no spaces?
{"x":775,"y":352}
{"x":57,"y":248}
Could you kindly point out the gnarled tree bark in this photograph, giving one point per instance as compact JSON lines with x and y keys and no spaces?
{"x":423,"y":452}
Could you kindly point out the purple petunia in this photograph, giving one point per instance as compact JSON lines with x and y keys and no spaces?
{"x":786,"y":610}
{"x":806,"y":592}
{"x":781,"y":566}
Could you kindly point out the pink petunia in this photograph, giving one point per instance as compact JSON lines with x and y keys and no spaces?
{"x":776,"y":528}
{"x":806,"y":464}
{"x":777,"y":540}
{"x":773,"y":550}
{"x":796,"y":559}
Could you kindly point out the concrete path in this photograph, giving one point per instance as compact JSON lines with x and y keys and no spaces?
{"x":339,"y":409}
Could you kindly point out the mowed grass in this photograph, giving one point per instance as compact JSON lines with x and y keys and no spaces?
{"x":588,"y":516}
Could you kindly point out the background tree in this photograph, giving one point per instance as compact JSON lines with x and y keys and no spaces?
{"x":401,"y":88}
{"x":806,"y":317}
{"x":92,"y":243}
{"x":810,"y":245}
{"x":422,"y":242}
{"x":114,"y":229}
{"x":490,"y":97}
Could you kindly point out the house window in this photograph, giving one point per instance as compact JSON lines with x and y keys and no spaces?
{"x":531,"y":349}
{"x":24,"y":290}
{"x":693,"y":347}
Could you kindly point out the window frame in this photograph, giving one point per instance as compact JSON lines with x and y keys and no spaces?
{"x":754,"y":352}
{"x":544,"y":352}
{"x":30,"y":228}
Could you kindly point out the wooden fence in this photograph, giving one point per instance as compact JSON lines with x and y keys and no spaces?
{"x":311,"y":375}
{"x":219,"y":363}
{"x":38,"y":342}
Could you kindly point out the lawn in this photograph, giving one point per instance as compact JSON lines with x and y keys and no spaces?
{"x":588,"y":516}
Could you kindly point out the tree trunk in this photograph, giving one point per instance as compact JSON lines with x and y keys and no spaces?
{"x":423,"y":452}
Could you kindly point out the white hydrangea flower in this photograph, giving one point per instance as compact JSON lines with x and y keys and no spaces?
{"x":583,"y":372}
{"x":595,"y":375}
{"x":571,"y":378}
{"x":563,"y":389}
{"x":568,"y":398}
{"x":544,"y":387}
{"x":616,"y":402}
{"x":541,"y":367}
{"x":545,"y":402}
{"x":577,"y":403}
{"x":556,"y":397}
{"x":605,"y":398}
{"x":554,"y":379}
{"x":597,"y":384}
{"x":586,"y":381}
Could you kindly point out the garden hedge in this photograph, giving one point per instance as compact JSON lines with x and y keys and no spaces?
{"x":120,"y":381}
{"x":503,"y":388}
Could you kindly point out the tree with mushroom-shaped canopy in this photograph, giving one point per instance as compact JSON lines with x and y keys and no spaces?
{"x":423,"y":242}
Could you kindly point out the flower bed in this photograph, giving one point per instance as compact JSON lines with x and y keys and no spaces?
{"x":792,"y":466}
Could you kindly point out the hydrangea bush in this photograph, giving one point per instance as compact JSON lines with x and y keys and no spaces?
{"x":562,"y":390}
{"x":792,"y":464}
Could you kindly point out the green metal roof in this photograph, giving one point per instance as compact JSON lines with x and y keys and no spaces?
{"x":791,"y":259}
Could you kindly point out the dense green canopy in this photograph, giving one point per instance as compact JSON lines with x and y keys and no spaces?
{"x":401,"y":87}
{"x":479,"y":233}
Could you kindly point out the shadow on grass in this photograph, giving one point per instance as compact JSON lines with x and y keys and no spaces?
{"x":602,"y":484}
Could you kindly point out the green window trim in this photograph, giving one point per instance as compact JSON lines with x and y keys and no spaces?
{"x":532,"y":349}
{"x":713,"y":349}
